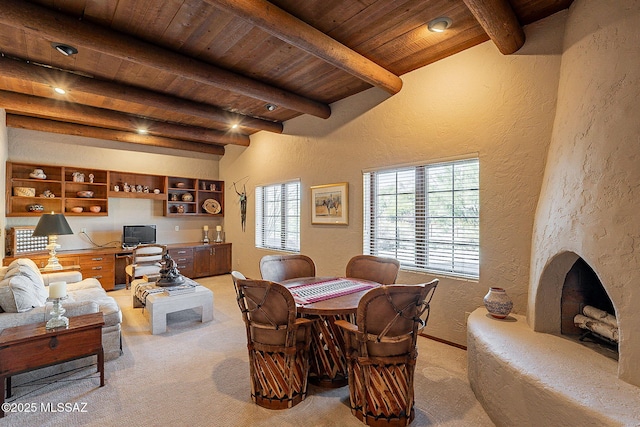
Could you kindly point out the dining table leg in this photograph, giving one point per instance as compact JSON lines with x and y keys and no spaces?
{"x":328,"y":364}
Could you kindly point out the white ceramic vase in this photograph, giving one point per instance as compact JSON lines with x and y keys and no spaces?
{"x":498,"y":303}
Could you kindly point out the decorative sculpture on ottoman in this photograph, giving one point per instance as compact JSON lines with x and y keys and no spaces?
{"x":169,"y":273}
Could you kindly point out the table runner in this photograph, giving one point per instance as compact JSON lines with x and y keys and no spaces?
{"x":327,"y":289}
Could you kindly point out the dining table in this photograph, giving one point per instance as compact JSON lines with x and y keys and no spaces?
{"x":328,"y":362}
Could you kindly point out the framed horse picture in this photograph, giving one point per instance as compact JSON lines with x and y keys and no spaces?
{"x":330,"y":204}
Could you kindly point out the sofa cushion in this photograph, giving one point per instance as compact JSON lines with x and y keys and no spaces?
{"x":106,"y":304}
{"x":91,"y":290}
{"x":22,"y":287}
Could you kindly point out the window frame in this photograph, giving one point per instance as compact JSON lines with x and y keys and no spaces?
{"x":415,"y":253}
{"x":286,"y":215}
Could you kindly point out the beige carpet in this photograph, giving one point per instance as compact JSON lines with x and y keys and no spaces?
{"x":198,"y":375}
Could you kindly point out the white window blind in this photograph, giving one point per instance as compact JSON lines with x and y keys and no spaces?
{"x":425,"y":216}
{"x":278,"y":216}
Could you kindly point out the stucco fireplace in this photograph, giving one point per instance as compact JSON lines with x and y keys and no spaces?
{"x":522,"y":370}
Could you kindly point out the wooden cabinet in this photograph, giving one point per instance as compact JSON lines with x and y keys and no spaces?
{"x":184,"y":260}
{"x":191,"y":196}
{"x":211,"y":260}
{"x":100,"y":267}
{"x":57,"y":189}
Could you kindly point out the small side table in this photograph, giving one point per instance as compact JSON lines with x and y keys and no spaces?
{"x":29,"y":347}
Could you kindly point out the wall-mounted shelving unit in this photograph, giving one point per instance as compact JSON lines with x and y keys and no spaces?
{"x":194,"y":197}
{"x":60,"y":185}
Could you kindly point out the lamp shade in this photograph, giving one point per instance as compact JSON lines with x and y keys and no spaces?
{"x":52,"y":224}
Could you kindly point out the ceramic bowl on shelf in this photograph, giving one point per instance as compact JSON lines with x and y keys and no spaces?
{"x":76,"y":209}
{"x":85,"y":194}
{"x":24,"y":191}
{"x":95,"y":208}
{"x":35,"y":208}
{"x":180,"y":185}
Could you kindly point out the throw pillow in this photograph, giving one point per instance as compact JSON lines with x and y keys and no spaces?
{"x":18,"y":294}
{"x":22,"y":287}
{"x":26,"y":262}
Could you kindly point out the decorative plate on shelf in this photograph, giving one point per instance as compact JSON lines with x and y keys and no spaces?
{"x":212,"y":206}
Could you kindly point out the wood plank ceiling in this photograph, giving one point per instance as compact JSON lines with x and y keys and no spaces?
{"x":186,"y":71}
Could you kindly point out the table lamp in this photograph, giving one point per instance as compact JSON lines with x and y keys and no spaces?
{"x":52,"y":225}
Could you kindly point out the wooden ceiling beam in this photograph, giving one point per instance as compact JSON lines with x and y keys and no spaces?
{"x":52,"y":126}
{"x":500,"y":22}
{"x":91,"y":116}
{"x":298,"y":33}
{"x":50,"y":25}
{"x":89,"y":86}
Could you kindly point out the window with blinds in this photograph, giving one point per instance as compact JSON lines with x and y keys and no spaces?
{"x":278,"y":216}
{"x":426,"y":216}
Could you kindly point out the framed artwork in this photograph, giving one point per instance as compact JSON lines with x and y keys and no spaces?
{"x":330,"y":204}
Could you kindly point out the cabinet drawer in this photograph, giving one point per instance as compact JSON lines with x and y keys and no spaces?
{"x":65,"y":260}
{"x":176,"y":253}
{"x":100,"y":267}
{"x":184,"y":260}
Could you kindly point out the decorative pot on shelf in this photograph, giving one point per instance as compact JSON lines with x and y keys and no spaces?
{"x":187,"y":197}
{"x":498,"y":303}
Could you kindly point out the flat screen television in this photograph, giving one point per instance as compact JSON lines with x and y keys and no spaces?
{"x":138,"y":234}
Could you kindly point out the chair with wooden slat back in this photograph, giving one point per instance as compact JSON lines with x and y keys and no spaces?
{"x":145,"y":260}
{"x":377,"y":269}
{"x":277,"y":268}
{"x":381,"y":351}
{"x":277,"y":341}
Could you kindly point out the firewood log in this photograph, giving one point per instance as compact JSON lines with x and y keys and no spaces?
{"x":600,"y":315}
{"x":596,"y":326}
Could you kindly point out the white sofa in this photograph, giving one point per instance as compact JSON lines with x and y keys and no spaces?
{"x":23,"y":294}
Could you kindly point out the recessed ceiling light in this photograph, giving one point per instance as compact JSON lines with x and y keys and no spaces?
{"x":59,"y":90}
{"x":234,"y":126}
{"x":143,"y":131}
{"x":270,"y":107}
{"x":64,"y":49}
{"x":440,"y":24}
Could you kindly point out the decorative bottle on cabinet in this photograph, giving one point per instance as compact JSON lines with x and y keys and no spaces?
{"x":498,"y":303}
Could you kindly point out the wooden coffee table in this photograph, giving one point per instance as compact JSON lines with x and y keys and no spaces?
{"x":29,"y":347}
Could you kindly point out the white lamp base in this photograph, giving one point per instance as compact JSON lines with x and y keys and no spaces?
{"x":52,"y":262}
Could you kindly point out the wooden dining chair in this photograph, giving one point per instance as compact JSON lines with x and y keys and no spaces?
{"x":381,"y":352}
{"x":277,"y":341}
{"x":377,"y":269}
{"x":277,"y":268}
{"x":145,"y":260}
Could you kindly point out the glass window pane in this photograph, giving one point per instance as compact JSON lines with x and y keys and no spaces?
{"x":425,"y":216}
{"x":278,"y":216}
